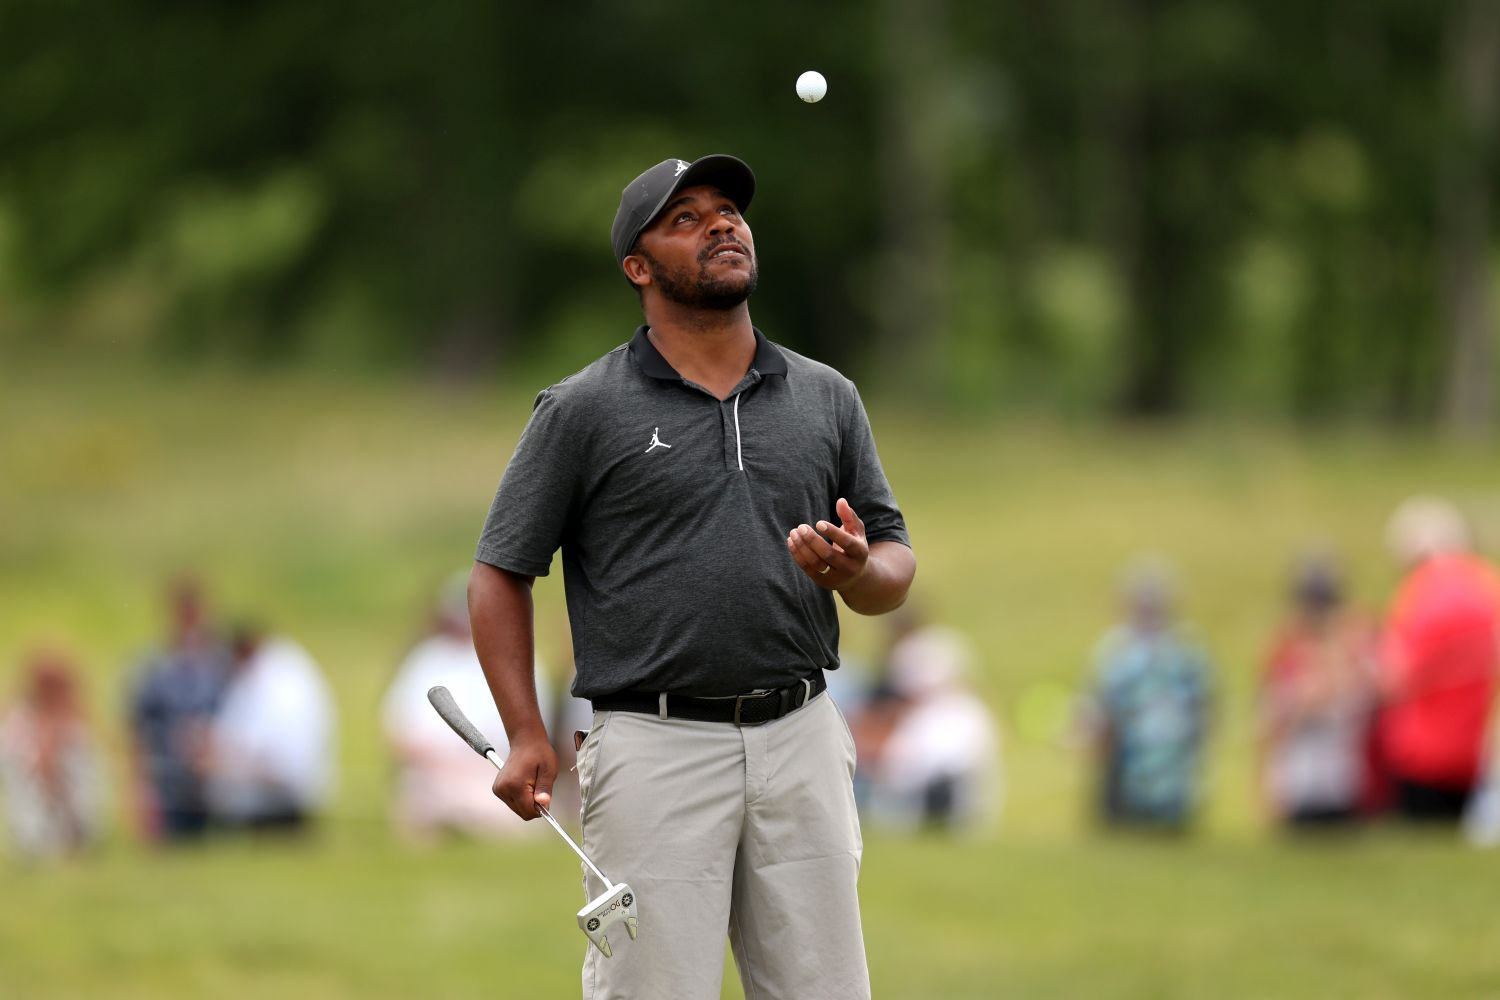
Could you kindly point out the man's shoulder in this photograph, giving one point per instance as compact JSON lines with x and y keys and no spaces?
{"x":801,"y":368}
{"x":801,"y":364}
{"x":599,"y":374}
{"x":595,"y":383}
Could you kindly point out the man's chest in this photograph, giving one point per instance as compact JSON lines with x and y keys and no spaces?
{"x":686,"y":447}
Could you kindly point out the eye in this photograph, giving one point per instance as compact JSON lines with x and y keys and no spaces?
{"x":728,"y":210}
{"x":683,"y":217}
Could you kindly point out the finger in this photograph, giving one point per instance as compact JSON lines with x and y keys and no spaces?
{"x":844,"y":541}
{"x":517,"y":797}
{"x":822,"y":552}
{"x":541,"y":792}
{"x":819,"y":559}
{"x":542,"y":799}
{"x":507,"y":794}
{"x":849,"y":556}
{"x":802,"y":553}
{"x":814,"y":567}
{"x":851,"y":520}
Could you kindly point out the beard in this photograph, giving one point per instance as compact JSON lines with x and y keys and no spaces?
{"x":699,"y":288}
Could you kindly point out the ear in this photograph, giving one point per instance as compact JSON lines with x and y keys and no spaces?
{"x":636,"y":270}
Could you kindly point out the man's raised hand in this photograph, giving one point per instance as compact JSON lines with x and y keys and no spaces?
{"x":832,"y":555}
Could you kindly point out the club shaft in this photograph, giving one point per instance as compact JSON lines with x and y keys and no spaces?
{"x":494,"y":759}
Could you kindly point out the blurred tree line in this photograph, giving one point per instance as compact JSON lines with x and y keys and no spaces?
{"x":1138,"y":206}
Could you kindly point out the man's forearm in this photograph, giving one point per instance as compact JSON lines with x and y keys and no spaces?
{"x":500,"y":614}
{"x":883,"y":585}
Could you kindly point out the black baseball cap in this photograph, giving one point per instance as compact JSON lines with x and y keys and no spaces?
{"x":647,"y":194}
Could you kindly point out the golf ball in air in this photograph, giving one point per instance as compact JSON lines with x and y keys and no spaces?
{"x":811,"y":86}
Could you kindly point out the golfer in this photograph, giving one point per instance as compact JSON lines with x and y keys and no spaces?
{"x":711,"y":493}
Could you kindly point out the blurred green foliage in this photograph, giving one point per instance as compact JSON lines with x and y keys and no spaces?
{"x":1141,"y":207}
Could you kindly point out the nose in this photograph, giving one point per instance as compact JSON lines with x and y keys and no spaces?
{"x":721,"y":225}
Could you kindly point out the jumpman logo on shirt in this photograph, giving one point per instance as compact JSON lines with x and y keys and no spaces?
{"x":656,"y":441}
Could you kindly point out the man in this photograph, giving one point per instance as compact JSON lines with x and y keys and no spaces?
{"x":711,"y":493}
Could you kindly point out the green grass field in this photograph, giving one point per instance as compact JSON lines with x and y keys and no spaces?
{"x":330,"y":507}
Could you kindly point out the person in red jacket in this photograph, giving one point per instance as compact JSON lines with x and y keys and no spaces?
{"x":1439,"y":659}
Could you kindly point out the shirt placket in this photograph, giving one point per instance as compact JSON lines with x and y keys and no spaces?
{"x":732,"y":423}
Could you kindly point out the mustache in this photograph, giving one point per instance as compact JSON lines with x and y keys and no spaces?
{"x":708,"y":251}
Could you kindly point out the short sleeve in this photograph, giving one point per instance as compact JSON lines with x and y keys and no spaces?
{"x":536,"y":494}
{"x":862,"y":481}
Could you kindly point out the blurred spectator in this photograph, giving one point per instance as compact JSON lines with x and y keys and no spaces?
{"x":872,"y":706}
{"x":176,"y":694}
{"x":1317,"y":697}
{"x":271,"y":752}
{"x":441,"y":785}
{"x":937,"y":764}
{"x":1482,"y":815}
{"x":1438,"y":661}
{"x":851,"y":685}
{"x":49,"y":766}
{"x":1148,"y":712}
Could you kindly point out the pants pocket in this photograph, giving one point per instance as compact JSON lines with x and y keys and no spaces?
{"x":588,"y":760}
{"x":848,"y":734}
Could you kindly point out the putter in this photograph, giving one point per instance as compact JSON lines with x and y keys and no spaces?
{"x":616,"y":904}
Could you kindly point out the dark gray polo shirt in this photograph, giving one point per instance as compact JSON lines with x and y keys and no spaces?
{"x":672,"y":510}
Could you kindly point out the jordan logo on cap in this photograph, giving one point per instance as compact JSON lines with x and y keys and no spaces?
{"x":656,"y":441}
{"x":681,"y":166}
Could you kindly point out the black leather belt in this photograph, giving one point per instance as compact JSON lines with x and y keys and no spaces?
{"x":743,"y":709}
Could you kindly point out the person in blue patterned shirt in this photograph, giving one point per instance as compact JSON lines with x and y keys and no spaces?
{"x":1149,"y":709}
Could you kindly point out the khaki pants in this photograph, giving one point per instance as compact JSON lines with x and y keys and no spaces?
{"x":719,"y":829}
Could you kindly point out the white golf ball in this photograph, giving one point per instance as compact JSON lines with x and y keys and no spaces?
{"x":811,"y":86}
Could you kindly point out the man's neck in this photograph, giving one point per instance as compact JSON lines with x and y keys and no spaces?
{"x":712,"y":348}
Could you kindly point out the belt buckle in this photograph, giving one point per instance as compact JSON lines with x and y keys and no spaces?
{"x":739,"y":700}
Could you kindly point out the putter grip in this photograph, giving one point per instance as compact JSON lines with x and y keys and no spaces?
{"x":442,"y":700}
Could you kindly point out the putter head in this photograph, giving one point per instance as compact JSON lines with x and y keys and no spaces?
{"x":604,"y":911}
